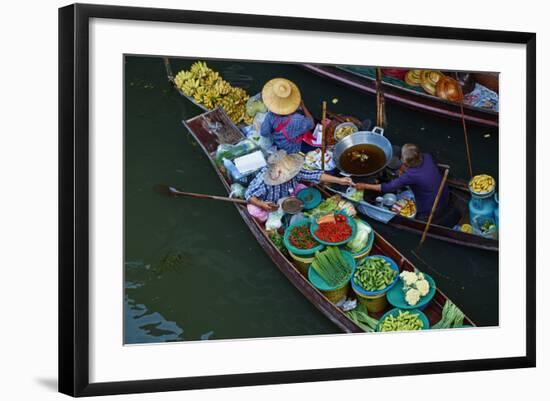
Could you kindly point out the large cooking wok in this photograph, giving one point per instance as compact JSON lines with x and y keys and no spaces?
{"x":375,"y":137}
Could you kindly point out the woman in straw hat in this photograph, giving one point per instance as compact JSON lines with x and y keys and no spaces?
{"x":283,"y":124}
{"x":280,"y":178}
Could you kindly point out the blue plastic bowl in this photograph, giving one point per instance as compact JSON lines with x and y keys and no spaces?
{"x":361,"y":290}
{"x":351,"y":222}
{"x":396,"y":296}
{"x":395,"y":312}
{"x":310,"y":196}
{"x":321,"y":284}
{"x":298,"y":251}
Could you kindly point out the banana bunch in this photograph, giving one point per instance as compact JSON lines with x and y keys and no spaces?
{"x":482,"y":184}
{"x":207,"y":87}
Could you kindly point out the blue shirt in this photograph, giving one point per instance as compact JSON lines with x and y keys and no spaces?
{"x":424,"y":181}
{"x":298,"y":125}
{"x":272,"y":193}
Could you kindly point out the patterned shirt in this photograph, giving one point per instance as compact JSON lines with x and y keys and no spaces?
{"x":272,"y":193}
{"x":298,"y":125}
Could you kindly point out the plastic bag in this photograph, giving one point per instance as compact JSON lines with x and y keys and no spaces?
{"x":230,"y":152}
{"x":237,"y":191}
{"x":255,"y":105}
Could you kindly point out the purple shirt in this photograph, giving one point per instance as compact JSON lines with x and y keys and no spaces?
{"x":424,"y":181}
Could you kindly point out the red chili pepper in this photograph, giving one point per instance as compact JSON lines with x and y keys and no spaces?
{"x":334,"y":232}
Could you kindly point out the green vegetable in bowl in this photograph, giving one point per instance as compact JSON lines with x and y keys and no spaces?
{"x":356,"y":195}
{"x":374,"y":274}
{"x":361,"y":238}
{"x":405,"y":320}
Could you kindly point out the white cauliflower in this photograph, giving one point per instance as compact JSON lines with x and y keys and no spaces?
{"x":412,"y":296}
{"x":419,"y":276}
{"x":422,"y":286}
{"x":409,"y":278}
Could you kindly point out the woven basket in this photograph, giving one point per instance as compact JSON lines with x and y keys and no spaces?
{"x":301,"y":262}
{"x":336,"y":295}
{"x":373,"y":303}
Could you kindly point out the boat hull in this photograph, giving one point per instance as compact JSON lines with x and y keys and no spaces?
{"x":408,"y":98}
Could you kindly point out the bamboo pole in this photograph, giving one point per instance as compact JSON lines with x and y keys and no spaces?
{"x":466,"y":140}
{"x":323,"y":135}
{"x":166,"y":189}
{"x":380,"y":102}
{"x":434,"y":206}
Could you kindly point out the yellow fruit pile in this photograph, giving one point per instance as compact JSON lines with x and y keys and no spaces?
{"x":482,"y":184}
{"x":208,"y":88}
{"x":409,"y":209}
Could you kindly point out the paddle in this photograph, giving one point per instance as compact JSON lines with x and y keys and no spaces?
{"x":434,"y":206}
{"x":171,"y":191}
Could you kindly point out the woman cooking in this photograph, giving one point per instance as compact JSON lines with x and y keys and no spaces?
{"x":283,"y":123}
{"x":279,"y":180}
{"x":422,"y":175}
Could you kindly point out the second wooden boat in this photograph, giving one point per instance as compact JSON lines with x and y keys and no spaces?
{"x":409,"y":98}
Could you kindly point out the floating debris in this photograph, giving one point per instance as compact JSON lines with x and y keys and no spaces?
{"x":335,"y":100}
{"x":206,"y":336}
{"x":487,"y":136}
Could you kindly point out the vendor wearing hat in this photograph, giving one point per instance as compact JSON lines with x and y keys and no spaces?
{"x":280,"y":178}
{"x":283,"y":124}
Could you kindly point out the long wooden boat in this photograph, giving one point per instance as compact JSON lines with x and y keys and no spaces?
{"x":407,"y":97}
{"x":213,"y":128}
{"x":459,"y":199}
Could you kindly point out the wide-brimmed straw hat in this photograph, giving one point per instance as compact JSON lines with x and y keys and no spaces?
{"x":281,"y":96}
{"x":429,"y":80}
{"x":282,"y":167}
{"x":449,"y":89}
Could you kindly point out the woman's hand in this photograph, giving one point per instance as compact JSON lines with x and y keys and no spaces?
{"x":360,"y":186}
{"x":346,"y":181}
{"x":269,"y":206}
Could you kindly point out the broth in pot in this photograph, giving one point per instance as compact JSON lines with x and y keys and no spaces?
{"x":362,"y":159}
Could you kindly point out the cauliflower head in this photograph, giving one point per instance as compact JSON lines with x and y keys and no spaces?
{"x":409,"y":278}
{"x":412,"y":296}
{"x":422,"y":286}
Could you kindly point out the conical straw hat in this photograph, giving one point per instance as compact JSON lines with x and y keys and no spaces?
{"x":282,"y":167}
{"x":281,"y":96}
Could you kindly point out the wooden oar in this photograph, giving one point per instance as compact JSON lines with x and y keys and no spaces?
{"x":323,"y":135}
{"x":434,"y":206}
{"x":171,"y":191}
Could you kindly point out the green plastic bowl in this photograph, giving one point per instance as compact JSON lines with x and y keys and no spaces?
{"x":299,"y":251}
{"x":310,"y":196}
{"x":396,"y":295}
{"x":351,"y":222}
{"x":395,"y":312}
{"x":321,"y":284}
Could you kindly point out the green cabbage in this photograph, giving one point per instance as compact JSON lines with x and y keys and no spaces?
{"x":361,"y":238}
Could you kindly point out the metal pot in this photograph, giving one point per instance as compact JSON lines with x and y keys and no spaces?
{"x":375,"y":137}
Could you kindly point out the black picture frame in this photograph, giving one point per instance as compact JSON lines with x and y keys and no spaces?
{"x":74,"y":198}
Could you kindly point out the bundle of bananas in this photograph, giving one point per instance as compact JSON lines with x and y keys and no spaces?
{"x":208,"y":88}
{"x":482,"y":184}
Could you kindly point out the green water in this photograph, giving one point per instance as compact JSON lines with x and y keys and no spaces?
{"x":193,"y":270}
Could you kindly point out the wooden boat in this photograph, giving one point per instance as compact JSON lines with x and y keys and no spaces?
{"x":458,"y":199}
{"x":407,"y":97}
{"x":213,"y":128}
